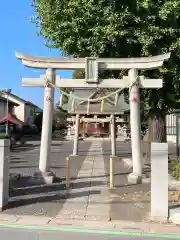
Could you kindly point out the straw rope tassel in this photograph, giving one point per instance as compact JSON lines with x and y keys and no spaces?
{"x":116,"y":99}
{"x":102,"y":105}
{"x":46,"y":81}
{"x":73,"y":105}
{"x":88,"y":107}
{"x":61,"y":100}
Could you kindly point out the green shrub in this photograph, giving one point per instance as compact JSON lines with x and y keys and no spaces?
{"x":176,"y":169}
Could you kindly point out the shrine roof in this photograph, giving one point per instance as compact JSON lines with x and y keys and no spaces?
{"x":95,"y":108}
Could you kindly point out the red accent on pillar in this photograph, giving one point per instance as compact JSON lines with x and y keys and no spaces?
{"x":134,"y":100}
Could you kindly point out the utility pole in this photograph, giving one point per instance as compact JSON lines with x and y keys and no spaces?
{"x":7,"y":91}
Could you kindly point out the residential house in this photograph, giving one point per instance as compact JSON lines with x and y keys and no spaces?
{"x":6,"y":112}
{"x":24,"y":110}
{"x":3,"y":106}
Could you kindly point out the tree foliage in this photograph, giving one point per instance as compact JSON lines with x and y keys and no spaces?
{"x":60,"y":117}
{"x":38,"y":123}
{"x":78,"y":74}
{"x":118,"y":28}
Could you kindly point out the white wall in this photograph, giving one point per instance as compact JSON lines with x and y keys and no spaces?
{"x":19,"y":111}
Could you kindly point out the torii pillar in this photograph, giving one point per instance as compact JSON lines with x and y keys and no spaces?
{"x":135,"y":122}
{"x":113,"y":135}
{"x":76,"y":136}
{"x":46,"y":134}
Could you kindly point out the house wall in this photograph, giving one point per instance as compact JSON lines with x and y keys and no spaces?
{"x":2,"y":109}
{"x":23,"y":111}
{"x":29,"y":115}
{"x":19,"y":111}
{"x":27,"y":112}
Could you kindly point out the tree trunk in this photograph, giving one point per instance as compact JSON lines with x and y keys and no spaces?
{"x":156,"y":128}
{"x":156,"y":132}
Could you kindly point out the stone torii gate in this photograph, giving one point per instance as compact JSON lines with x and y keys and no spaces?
{"x":91,"y":66}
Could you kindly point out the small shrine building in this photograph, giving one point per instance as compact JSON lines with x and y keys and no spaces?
{"x":95,"y":118}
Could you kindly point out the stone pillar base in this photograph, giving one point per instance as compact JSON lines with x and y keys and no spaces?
{"x":46,"y":178}
{"x":133,"y":178}
{"x":69,"y":137}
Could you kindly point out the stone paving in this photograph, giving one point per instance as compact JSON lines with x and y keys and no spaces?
{"x":91,"y":202}
{"x":101,"y":203}
{"x":128,"y":202}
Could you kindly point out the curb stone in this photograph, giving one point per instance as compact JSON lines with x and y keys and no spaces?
{"x":122,"y":226}
{"x":8,"y":219}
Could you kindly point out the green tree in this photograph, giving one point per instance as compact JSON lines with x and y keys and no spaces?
{"x":38,"y":123}
{"x":60,"y":117}
{"x":78,"y":74}
{"x":120,"y":28}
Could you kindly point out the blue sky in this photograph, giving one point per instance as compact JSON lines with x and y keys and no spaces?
{"x":19,"y":34}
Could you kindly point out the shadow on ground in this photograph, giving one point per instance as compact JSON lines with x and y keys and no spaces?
{"x":24,"y":192}
{"x":33,"y":166}
{"x":23,"y":147}
{"x":48,"y":198}
{"x":29,"y":146}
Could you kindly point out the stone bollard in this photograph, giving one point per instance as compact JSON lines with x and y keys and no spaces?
{"x":159,"y":181}
{"x":4,"y":173}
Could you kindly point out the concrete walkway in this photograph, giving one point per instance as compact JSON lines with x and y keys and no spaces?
{"x":92,"y":202}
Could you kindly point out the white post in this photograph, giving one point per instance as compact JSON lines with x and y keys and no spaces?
{"x":113,"y":137}
{"x":76,"y":136}
{"x":4,"y":173}
{"x":7,"y":112}
{"x":46,"y":134}
{"x":135,"y":123}
{"x":159,"y":181}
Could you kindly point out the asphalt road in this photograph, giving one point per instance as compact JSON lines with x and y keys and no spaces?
{"x":11,"y":234}
{"x":25,"y":158}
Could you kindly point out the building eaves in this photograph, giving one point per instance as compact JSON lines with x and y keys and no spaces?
{"x":9,"y":101}
{"x":18,"y":98}
{"x":33,"y":105}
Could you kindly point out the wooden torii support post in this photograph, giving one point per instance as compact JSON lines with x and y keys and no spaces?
{"x":91,"y":66}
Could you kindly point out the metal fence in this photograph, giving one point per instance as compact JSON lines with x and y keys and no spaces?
{"x":171,"y":124}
